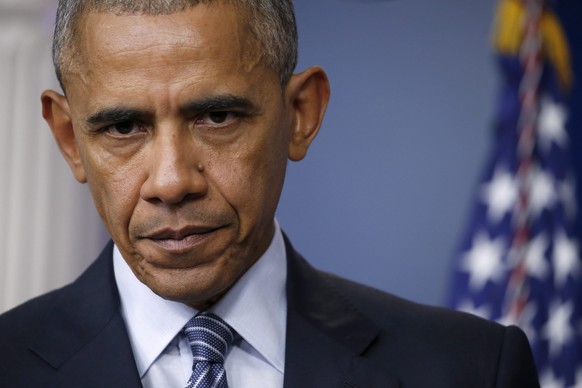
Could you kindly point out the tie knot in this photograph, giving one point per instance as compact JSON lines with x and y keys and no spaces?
{"x":209,"y":337}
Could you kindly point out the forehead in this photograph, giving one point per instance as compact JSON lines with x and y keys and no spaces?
{"x":203,"y":33}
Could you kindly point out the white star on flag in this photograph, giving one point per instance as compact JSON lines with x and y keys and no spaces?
{"x":483,"y":262}
{"x":470,"y":307}
{"x":558,"y":329}
{"x":565,"y":258}
{"x":500,"y":194}
{"x":552,"y":124}
{"x":525,"y":320}
{"x":535,"y":258}
{"x":549,"y":380}
{"x":542,"y":193}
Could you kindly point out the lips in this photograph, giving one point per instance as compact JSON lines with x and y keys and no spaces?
{"x":181,"y":240}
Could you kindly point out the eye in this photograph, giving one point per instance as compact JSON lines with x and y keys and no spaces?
{"x":218,"y":118}
{"x":124,"y":128}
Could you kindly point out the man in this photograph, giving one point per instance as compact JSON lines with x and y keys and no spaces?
{"x":181,"y":116}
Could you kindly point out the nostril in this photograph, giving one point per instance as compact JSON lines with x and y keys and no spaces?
{"x":174,"y":186}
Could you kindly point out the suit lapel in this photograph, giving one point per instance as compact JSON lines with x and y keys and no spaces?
{"x":87,"y":345}
{"x":326,"y":337}
{"x":85,"y":341}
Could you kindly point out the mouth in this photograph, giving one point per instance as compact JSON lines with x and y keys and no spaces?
{"x":181,"y":240}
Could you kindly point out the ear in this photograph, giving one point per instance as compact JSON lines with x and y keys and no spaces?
{"x":307,"y":96}
{"x":56,"y":112}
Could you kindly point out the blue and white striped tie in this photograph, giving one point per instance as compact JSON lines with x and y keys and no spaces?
{"x":209,"y":337}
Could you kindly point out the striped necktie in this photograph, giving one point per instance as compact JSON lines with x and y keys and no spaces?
{"x":209,"y":337}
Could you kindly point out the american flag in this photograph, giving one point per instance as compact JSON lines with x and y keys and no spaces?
{"x":519,"y":261}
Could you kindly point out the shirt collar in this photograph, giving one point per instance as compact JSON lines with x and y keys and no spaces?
{"x":256,"y":307}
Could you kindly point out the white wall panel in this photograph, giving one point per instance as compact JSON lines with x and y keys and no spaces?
{"x":49,"y":230}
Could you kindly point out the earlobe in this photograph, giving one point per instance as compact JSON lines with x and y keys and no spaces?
{"x":308,"y":94}
{"x":56,"y":112}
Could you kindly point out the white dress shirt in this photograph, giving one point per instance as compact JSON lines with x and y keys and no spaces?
{"x":256,"y":307}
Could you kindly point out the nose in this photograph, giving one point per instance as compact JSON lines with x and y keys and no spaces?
{"x":174,"y":169}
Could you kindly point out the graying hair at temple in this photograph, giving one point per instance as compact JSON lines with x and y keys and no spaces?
{"x":272,"y":22}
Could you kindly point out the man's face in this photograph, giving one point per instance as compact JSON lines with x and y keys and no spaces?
{"x":182,"y":135}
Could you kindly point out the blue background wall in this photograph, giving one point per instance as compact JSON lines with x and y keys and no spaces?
{"x":384,"y":194}
{"x":385,"y":191}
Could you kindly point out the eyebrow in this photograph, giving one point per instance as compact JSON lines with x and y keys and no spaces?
{"x":116,"y":115}
{"x":218,"y":103}
{"x":213,"y":103}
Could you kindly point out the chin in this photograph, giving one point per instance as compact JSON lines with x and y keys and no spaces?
{"x":199,"y":292}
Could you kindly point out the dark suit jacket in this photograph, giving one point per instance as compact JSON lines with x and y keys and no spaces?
{"x":339,"y":334}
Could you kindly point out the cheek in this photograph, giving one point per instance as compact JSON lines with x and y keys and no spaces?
{"x":115,"y":190}
{"x":251,"y":179}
